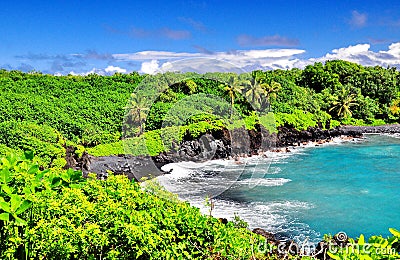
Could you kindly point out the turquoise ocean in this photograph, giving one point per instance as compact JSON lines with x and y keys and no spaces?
{"x":350,"y":186}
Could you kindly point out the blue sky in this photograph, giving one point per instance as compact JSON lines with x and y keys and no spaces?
{"x":62,"y":37}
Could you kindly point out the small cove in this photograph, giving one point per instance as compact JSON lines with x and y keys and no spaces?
{"x":347,"y":186}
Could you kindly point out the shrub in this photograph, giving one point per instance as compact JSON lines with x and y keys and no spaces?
{"x":58,"y":215}
{"x":46,"y":142}
{"x":299,"y":120}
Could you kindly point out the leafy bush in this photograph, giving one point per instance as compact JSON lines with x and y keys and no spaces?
{"x":83,"y":108}
{"x":376,"y":247}
{"x":352,"y":121}
{"x":45,"y":141}
{"x":5,"y":150}
{"x":58,"y":215}
{"x":299,"y":120}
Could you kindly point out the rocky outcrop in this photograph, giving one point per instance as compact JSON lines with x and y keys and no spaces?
{"x":290,"y":136}
{"x":382,"y":129}
{"x":135,"y":167}
{"x":269,"y":236}
{"x":216,"y":145}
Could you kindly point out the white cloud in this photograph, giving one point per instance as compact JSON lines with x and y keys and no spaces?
{"x":149,"y":67}
{"x":151,"y":62}
{"x":362,"y":54}
{"x":244,"y":59}
{"x":112,"y":69}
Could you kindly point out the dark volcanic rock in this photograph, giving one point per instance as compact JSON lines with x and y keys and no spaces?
{"x":218,"y":145}
{"x":290,"y":136}
{"x":382,"y":129}
{"x":70,"y":157}
{"x":269,"y":236}
{"x":131,"y":166}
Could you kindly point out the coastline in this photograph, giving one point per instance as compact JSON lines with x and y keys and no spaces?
{"x":150,"y":167}
{"x":251,"y":212}
{"x":139,"y":167}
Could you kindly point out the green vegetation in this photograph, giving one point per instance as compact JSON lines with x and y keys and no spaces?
{"x":97,"y":110}
{"x":59,"y":215}
{"x":376,"y":247}
{"x":56,"y":214}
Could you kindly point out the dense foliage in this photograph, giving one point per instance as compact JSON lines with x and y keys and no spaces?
{"x":91,"y":110}
{"x":55,"y":214}
{"x":87,"y":110}
{"x":59,"y":215}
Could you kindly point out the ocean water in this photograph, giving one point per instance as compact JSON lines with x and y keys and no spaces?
{"x":345,"y":186}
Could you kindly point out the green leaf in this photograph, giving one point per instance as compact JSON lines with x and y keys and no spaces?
{"x":75,"y":186}
{"x":15,"y":202}
{"x":27,"y":190}
{"x":34,"y":169}
{"x":29,"y":155}
{"x":5,"y":216}
{"x":6,"y":162}
{"x":5,"y":175}
{"x":40,"y":175}
{"x":19,"y":221}
{"x":361,"y":240}
{"x":26,"y":204}
{"x":395,"y":232}
{"x":4,"y":206}
{"x":56,"y":182}
{"x":336,"y":257}
{"x":6,"y":189}
{"x":66,"y":176}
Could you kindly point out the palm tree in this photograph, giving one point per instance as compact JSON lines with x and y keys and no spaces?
{"x":136,"y":110}
{"x":253,"y":91}
{"x":272,"y":88}
{"x":232,"y":87}
{"x":343,"y":102}
{"x":264,"y":90}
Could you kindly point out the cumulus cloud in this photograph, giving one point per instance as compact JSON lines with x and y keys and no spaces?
{"x":25,"y":67}
{"x":109,"y":70}
{"x":112,"y":69}
{"x":149,"y":67}
{"x":154,"y":55}
{"x":201,"y":49}
{"x":362,"y":54}
{"x":151,"y":62}
{"x":245,"y":59}
{"x":274,"y":40}
{"x":358,"y":19}
{"x":92,"y":71}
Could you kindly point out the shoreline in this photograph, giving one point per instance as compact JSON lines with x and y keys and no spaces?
{"x":138,"y":167}
{"x":270,"y":234}
{"x":147,"y":166}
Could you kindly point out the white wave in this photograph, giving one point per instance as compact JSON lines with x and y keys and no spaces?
{"x":268,"y":182}
{"x":274,"y":170}
{"x":274,"y":216}
{"x":178,"y":171}
{"x":394,"y":135}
